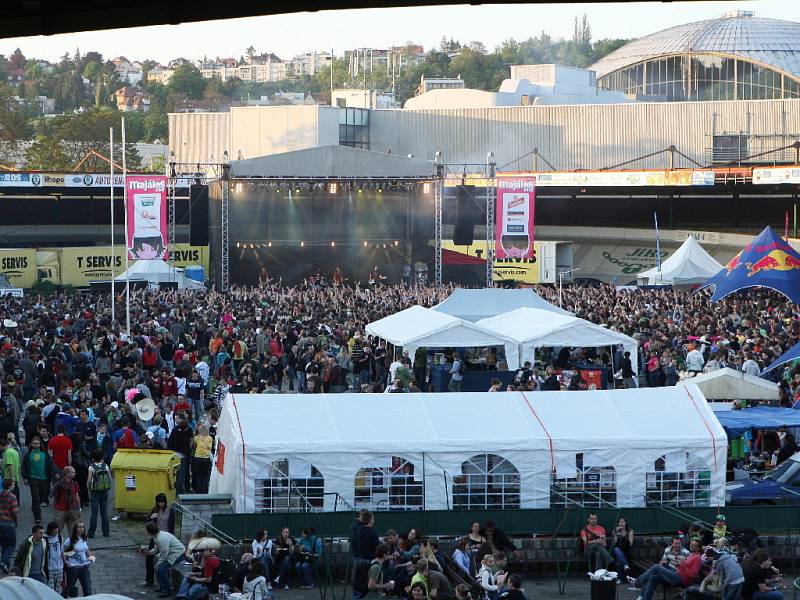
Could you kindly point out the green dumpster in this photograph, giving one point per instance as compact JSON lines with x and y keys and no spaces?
{"x":141,"y":474}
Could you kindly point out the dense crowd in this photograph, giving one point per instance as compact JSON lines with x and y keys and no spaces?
{"x":76,"y":388}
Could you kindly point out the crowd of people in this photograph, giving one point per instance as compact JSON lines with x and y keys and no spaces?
{"x":703,"y":563}
{"x":75,"y":388}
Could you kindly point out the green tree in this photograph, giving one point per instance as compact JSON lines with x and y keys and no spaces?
{"x":188,"y":81}
{"x":46,"y":154}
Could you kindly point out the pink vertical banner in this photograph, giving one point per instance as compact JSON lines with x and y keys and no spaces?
{"x":146,"y":237}
{"x":514,"y":212}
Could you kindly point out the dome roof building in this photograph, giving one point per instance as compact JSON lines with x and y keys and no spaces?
{"x":735,"y":57}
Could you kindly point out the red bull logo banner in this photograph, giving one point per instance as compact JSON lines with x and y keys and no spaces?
{"x":514,"y":224}
{"x":768,"y":261}
{"x":146,"y":238}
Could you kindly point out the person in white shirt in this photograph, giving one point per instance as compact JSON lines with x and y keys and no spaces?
{"x":694,"y":361}
{"x":750,"y":366}
{"x":262,"y":550}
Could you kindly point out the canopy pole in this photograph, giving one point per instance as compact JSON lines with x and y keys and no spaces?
{"x":113,"y":255}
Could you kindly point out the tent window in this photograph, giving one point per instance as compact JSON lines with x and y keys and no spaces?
{"x":290,"y":486}
{"x":486,"y":481}
{"x":678,"y":479}
{"x":388,"y":483}
{"x":591,"y":486}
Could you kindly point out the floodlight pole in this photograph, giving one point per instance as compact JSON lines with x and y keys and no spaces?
{"x":491,"y":193}
{"x":171,"y":184}
{"x":560,"y":277}
{"x":127,"y":263}
{"x":113,"y":255}
{"x":438,"y":194}
{"x":225,"y":250}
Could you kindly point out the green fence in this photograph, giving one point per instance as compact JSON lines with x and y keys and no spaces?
{"x":763,"y":519}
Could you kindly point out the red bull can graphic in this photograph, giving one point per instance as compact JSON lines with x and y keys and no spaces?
{"x":733,"y":263}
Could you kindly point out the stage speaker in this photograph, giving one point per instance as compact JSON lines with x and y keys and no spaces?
{"x":198,"y":215}
{"x":464,"y":229}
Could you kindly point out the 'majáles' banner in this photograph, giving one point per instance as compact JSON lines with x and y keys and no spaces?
{"x":516,"y":198}
{"x":147,"y":217}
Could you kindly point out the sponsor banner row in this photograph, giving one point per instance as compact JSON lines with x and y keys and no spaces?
{"x":79,"y":267}
{"x":68,"y":180}
{"x":600,"y":179}
{"x":776,"y":175}
{"x":524,"y":270}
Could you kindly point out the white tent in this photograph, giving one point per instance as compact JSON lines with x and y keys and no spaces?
{"x":476,"y":304}
{"x":25,"y":588}
{"x":730,"y":384}
{"x":417,"y":327}
{"x":456,"y":444}
{"x":158,"y":271}
{"x":689,"y":264}
{"x":533,"y":328}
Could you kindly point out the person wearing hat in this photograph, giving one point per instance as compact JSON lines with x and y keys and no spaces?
{"x":145,"y":410}
{"x":720,"y":528}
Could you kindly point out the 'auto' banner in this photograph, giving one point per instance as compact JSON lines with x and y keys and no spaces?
{"x":516,"y":198}
{"x":146,"y":237}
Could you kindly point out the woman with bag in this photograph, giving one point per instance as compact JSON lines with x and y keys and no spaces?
{"x":77,"y":560}
{"x":66,"y":500}
{"x":255,"y":583}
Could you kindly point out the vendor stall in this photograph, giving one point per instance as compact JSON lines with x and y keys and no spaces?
{"x":470,"y":451}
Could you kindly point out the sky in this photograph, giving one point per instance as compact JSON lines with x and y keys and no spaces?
{"x":287,"y":35}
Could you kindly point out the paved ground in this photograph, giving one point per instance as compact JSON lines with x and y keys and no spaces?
{"x":119,"y":569}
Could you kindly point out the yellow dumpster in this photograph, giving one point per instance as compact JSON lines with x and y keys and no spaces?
{"x":141,"y":474}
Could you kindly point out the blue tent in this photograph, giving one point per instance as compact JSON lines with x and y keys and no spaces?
{"x":791,"y":354}
{"x":768,"y":261}
{"x":736,"y":422}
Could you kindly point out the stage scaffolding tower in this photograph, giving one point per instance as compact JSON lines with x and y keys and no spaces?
{"x":480,"y":175}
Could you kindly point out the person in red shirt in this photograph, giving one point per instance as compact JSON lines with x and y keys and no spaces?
{"x":594,"y":541}
{"x":182,"y":405}
{"x":200,"y":582}
{"x":685,"y":574}
{"x":169,"y":387}
{"x":60,"y":449}
{"x":180,"y":353}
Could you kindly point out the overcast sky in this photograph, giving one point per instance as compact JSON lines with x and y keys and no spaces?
{"x":286,"y":35}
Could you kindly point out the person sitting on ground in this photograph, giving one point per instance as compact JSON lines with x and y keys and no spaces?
{"x":489,"y":581}
{"x":200,"y":583}
{"x":720,"y":528}
{"x":169,"y":552}
{"x":255,"y":583}
{"x":622,"y":544}
{"x":461,"y":556}
{"x":514,"y":590}
{"x":760,"y":578}
{"x":686,"y":574}
{"x":594,"y":541}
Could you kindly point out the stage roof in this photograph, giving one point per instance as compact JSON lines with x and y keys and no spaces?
{"x":333,"y":162}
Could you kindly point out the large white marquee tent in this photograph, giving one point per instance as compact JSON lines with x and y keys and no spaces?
{"x":689,"y":265}
{"x":470,"y":450}
{"x":730,"y":384}
{"x":533,"y":328}
{"x":476,"y":304}
{"x":417,"y":327}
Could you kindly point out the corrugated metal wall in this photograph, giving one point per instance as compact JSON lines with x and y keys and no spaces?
{"x":577,"y":136}
{"x":588,"y":136}
{"x":196,"y":137}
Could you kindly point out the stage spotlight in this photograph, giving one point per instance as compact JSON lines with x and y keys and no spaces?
{"x":333,"y":187}
{"x":269,"y":244}
{"x":238,"y":188}
{"x":302,"y":244}
{"x":360,"y":186}
{"x":426,"y":188}
{"x":237,"y":244}
{"x":333,"y":244}
{"x":396,"y":243}
{"x":365,"y":241}
{"x":384,"y":246}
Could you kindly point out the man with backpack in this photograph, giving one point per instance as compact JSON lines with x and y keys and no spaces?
{"x":126,"y":437}
{"x":99,"y":483}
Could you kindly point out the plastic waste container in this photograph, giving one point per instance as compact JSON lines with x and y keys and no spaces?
{"x":141,"y":474}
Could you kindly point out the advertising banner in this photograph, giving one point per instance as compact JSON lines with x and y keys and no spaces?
{"x":32,"y":179}
{"x":681,"y":178}
{"x":523,"y":270}
{"x":79,"y":267}
{"x":516,"y":197}
{"x":776,"y":175}
{"x":19,"y":266}
{"x":146,"y":237}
